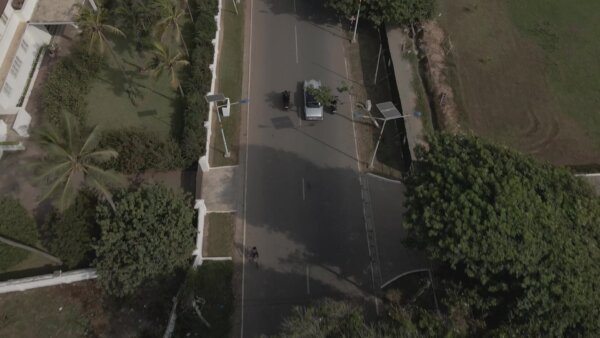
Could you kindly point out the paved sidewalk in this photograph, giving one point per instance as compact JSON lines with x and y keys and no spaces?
{"x":387,"y":207}
{"x":220,"y":189}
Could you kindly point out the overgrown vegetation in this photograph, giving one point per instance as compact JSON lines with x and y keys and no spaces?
{"x":519,"y":240}
{"x":207,"y":291}
{"x":70,"y":235}
{"x":149,"y":233}
{"x":140,"y":150}
{"x":15,"y":224}
{"x":403,"y":12}
{"x":68,"y":84}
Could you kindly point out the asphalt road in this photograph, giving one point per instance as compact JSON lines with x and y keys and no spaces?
{"x":303,"y":207}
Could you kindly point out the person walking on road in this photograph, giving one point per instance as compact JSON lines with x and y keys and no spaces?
{"x":254,"y":254}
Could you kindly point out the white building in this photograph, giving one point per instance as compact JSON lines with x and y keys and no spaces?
{"x":25,"y":27}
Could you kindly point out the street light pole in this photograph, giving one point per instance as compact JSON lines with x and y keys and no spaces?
{"x":356,"y":22}
{"x":227,"y":154}
{"x":377,"y":145}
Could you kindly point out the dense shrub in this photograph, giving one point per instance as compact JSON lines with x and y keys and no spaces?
{"x":68,"y":84}
{"x":140,"y":150}
{"x":149,"y":233}
{"x":70,"y":234}
{"x":15,"y":224}
{"x":197,"y":82}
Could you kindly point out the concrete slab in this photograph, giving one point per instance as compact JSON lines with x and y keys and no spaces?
{"x":387,"y":203}
{"x":219,"y":189}
{"x":403,"y":72}
{"x":56,"y":11}
{"x":593,"y":180}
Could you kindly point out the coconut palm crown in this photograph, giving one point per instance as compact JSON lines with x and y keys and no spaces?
{"x":71,"y":162}
{"x":165,"y":60}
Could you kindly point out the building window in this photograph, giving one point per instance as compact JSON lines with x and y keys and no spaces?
{"x":4,"y":18}
{"x":24,"y":45}
{"x":7,"y":89}
{"x":14,"y":70}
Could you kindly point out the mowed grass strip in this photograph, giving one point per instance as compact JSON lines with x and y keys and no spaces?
{"x":523,"y":75}
{"x":44,"y":312}
{"x":568,"y":33}
{"x":229,"y":82}
{"x":219,"y":239}
{"x":111,"y":106}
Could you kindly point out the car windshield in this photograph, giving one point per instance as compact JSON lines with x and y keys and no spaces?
{"x":311,"y":102}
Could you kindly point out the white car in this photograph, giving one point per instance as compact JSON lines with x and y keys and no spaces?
{"x":313,"y":109}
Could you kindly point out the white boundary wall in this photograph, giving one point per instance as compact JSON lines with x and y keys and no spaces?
{"x":201,"y":206}
{"x":47,"y":280}
{"x":203,"y":161}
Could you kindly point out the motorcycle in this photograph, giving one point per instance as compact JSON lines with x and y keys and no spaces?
{"x":286,"y":99}
{"x":333,"y":105}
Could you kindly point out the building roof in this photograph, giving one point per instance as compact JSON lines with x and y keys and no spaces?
{"x":55,"y":11}
{"x":3,"y":4}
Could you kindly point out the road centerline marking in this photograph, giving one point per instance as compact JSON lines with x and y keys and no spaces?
{"x":303,"y":190}
{"x":296,"y":39}
{"x":246,"y":173}
{"x":307,"y":280}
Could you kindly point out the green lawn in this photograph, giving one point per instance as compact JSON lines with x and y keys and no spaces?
{"x":229,"y":82}
{"x":219,"y":241}
{"x":45,"y":312}
{"x":211,"y":284}
{"x":111,"y":107}
{"x":568,"y":33}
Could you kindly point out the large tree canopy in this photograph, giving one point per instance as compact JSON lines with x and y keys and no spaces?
{"x":523,"y":235}
{"x":403,"y":12}
{"x":150,"y":233}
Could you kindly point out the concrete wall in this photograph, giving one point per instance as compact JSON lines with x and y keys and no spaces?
{"x":34,"y":38}
{"x":204,"y":159}
{"x":47,"y":280}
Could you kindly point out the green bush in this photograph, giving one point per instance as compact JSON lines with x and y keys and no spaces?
{"x":68,"y":84}
{"x":149,"y":233}
{"x":71,"y":234}
{"x":15,"y":224}
{"x":140,"y":150}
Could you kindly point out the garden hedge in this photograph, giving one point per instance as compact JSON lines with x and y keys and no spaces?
{"x":68,"y":84}
{"x":197,"y":82}
{"x":15,"y":224}
{"x":140,"y":150}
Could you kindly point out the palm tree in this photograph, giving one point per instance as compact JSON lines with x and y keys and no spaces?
{"x":71,"y":163}
{"x":164,"y":60}
{"x":187,"y":4}
{"x":171,"y":15}
{"x":95,"y":29}
{"x":137,"y":17}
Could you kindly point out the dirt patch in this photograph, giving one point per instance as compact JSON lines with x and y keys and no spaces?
{"x":433,"y":45}
{"x":499,"y":79}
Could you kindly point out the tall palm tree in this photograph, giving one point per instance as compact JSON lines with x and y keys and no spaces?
{"x":164,"y":60}
{"x":136,"y":17}
{"x":71,"y":162}
{"x":95,"y":29}
{"x":170,"y":24}
{"x":187,"y":4}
